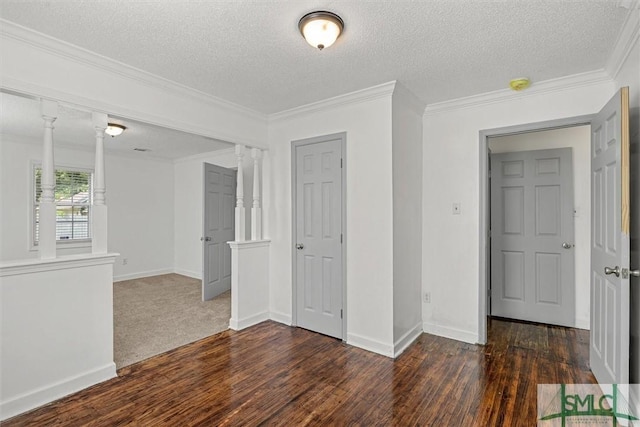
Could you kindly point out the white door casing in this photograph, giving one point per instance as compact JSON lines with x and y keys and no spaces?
{"x":532,"y":235}
{"x":609,"y":337}
{"x":218,"y":229}
{"x":318,"y":234}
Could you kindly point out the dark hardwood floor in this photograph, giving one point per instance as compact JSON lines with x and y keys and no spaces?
{"x":272,"y":374}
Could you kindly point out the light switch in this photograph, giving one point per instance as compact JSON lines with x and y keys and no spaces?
{"x":456,"y":208}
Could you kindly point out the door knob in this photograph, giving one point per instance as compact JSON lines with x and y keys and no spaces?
{"x":205,"y":239}
{"x":635,"y":273}
{"x":299,"y":246}
{"x":567,"y":245}
{"x":615,"y":271}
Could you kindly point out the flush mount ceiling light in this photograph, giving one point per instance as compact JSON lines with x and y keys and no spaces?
{"x":321,"y":29}
{"x":519,"y":84}
{"x":114,"y":129}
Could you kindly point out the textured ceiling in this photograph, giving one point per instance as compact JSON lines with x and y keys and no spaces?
{"x":22,"y":122}
{"x":250,"y":52}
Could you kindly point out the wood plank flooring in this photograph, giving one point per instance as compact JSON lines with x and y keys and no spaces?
{"x":272,"y":374}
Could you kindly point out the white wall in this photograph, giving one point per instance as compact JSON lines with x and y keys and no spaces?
{"x":188,"y":181}
{"x":451,"y":174}
{"x":139,"y":198}
{"x":369,"y":226}
{"x":579,"y":140}
{"x":407,"y":217}
{"x":57,"y":329}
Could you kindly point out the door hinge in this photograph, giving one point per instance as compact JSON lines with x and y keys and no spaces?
{"x":341,"y":238}
{"x":340,"y":163}
{"x":341,"y":313}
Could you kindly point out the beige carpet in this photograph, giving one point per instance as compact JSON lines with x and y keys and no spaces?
{"x":156,"y":314}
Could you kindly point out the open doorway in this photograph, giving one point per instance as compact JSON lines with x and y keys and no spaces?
{"x":529,"y":137}
{"x":539,"y":219}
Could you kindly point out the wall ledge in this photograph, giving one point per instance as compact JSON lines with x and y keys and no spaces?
{"x":248,"y":244}
{"x":36,"y":265}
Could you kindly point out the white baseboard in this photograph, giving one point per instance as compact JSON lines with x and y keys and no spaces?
{"x":583,"y":324}
{"x":405,"y":340}
{"x":239,"y":324}
{"x":452,"y":333}
{"x":49,"y":393}
{"x":188,"y":273}
{"x":141,"y":274}
{"x":369,"y":344}
{"x":281,"y":318}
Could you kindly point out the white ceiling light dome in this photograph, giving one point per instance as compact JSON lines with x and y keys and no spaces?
{"x":114,"y":129}
{"x":321,"y":28}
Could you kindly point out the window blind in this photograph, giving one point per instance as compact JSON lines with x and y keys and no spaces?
{"x":73,"y":197}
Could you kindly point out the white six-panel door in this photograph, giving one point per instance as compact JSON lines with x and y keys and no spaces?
{"x":532,"y":235}
{"x":318,"y":236}
{"x":218,"y":229}
{"x":609,"y":339}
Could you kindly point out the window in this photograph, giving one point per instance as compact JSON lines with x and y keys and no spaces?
{"x":73,"y":193}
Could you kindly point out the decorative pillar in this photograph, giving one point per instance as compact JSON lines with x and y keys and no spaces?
{"x":240,"y":214}
{"x":47,"y":215}
{"x":256,"y":211}
{"x":99,"y":205}
{"x":266,"y":193}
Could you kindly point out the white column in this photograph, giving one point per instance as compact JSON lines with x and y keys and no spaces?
{"x":99,"y":206}
{"x":266,"y":193}
{"x":241,"y":234}
{"x":256,"y":211}
{"x":47,"y":221}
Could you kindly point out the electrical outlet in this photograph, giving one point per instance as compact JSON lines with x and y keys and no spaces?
{"x":427,"y":297}
{"x":125,"y":261}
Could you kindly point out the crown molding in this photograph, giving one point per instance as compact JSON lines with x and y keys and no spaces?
{"x":409,"y":98}
{"x":553,"y":85}
{"x":363,"y":95}
{"x":75,"y":53}
{"x":627,"y":39}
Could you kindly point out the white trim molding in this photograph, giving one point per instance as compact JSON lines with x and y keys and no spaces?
{"x":553,"y":85}
{"x":149,"y":273}
{"x":406,"y":340}
{"x":188,"y":273}
{"x":240,"y":324}
{"x":281,"y":318}
{"x":78,"y":54}
{"x":369,"y":344}
{"x":52,"y":392}
{"x":627,"y":38}
{"x":368,"y":94}
{"x":451,"y":333}
{"x":231,"y":122}
{"x":13,"y":268}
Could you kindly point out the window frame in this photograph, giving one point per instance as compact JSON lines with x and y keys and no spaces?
{"x":60,"y":244}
